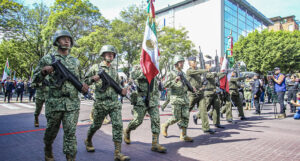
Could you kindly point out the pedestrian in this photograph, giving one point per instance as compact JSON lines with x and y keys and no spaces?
{"x":20,"y":89}
{"x":280,"y":89}
{"x":62,"y":102}
{"x":178,"y":99}
{"x":247,"y":92}
{"x":256,"y":91}
{"x":141,"y":106}
{"x":107,"y":102}
{"x":293,"y":87}
{"x":31,"y":91}
{"x":296,"y":103}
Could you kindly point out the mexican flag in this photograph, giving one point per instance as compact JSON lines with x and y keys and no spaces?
{"x":6,"y":71}
{"x":224,"y":82}
{"x":150,"y":52}
{"x":229,"y":52}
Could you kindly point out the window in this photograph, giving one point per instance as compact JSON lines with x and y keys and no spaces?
{"x":291,"y":27}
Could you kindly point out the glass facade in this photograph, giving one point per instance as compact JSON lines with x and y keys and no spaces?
{"x":239,"y":21}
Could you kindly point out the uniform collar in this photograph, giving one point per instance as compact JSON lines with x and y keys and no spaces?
{"x":103,"y":64}
{"x":62,"y":56}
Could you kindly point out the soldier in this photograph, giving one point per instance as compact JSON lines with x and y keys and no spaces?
{"x":41,"y":94}
{"x":62,"y":103}
{"x":235,"y":95}
{"x":20,"y":89}
{"x":247,"y":92}
{"x":9,"y":86}
{"x":141,"y":107}
{"x":211,"y":99}
{"x":194,"y":76}
{"x":106,"y":102}
{"x":256,"y":93}
{"x":178,"y":99}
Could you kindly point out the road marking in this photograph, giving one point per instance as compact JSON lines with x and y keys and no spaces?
{"x":26,"y":105}
{"x":10,"y":106}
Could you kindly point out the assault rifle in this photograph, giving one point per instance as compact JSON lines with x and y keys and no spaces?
{"x":202,"y":65}
{"x":186,"y":82}
{"x":63,"y":74}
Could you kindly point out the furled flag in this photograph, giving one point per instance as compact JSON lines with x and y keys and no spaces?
{"x":229,"y":51}
{"x":6,"y":71}
{"x":224,"y":82}
{"x":150,"y":52}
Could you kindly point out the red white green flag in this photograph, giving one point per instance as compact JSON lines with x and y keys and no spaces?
{"x":6,"y":71}
{"x":229,"y":51}
{"x":150,"y":52}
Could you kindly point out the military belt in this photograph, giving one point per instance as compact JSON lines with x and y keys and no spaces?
{"x":209,"y":89}
{"x":233,"y":89}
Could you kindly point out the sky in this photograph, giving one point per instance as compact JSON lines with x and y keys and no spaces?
{"x":270,"y":8}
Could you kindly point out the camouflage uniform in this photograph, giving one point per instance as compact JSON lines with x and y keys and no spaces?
{"x":106,"y":103}
{"x":248,"y":94}
{"x":140,"y":108}
{"x":211,"y":98}
{"x":180,"y":105}
{"x":166,"y":102}
{"x":62,"y":104}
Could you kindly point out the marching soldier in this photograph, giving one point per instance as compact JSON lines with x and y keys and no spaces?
{"x":41,"y":94}
{"x":211,"y":98}
{"x":106,"y":102}
{"x":194,"y":76}
{"x":62,"y":103}
{"x":166,"y":102}
{"x":141,"y":106}
{"x":179,"y":100}
{"x":235,"y":95}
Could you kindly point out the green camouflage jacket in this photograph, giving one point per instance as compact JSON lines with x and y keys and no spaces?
{"x":141,"y":81}
{"x":178,"y":89}
{"x":107,"y":99}
{"x":194,"y":77}
{"x":41,"y":91}
{"x":66,"y":97}
{"x":210,"y":87}
{"x":247,"y":86}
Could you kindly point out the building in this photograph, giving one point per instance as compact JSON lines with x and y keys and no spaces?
{"x":284,"y":23}
{"x":209,"y":22}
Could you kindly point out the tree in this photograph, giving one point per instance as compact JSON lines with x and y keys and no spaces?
{"x":262,"y":51}
{"x":173,"y":42}
{"x":8,"y":11}
{"x":129,"y":30}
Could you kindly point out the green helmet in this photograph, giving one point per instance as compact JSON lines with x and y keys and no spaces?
{"x":108,"y":48}
{"x":177,"y":59}
{"x":61,"y":33}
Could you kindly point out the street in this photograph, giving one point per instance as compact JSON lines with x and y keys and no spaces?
{"x":258,"y":138}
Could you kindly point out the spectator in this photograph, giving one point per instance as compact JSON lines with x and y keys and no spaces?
{"x":256,"y":93}
{"x":31,"y":91}
{"x":20,"y":89}
{"x":292,"y":91}
{"x":269,"y":88}
{"x":280,"y":89}
{"x":296,"y":103}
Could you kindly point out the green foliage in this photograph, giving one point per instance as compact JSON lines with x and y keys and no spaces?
{"x":173,"y":42}
{"x":263,"y":51}
{"x":8,"y":12}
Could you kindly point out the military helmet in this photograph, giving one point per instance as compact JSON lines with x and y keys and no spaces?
{"x":61,"y":33}
{"x":108,"y":48}
{"x":178,"y":58}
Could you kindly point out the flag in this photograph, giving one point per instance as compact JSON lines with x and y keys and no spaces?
{"x":6,"y":71}
{"x":31,"y":75}
{"x":150,"y":52}
{"x":14,"y":76}
{"x":229,"y":51}
{"x":224,"y":82}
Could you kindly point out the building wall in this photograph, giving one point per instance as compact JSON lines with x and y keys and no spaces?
{"x":287,"y":24}
{"x":202,"y":19}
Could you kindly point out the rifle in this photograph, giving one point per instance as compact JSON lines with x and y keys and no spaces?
{"x":202,"y":65}
{"x":107,"y":81}
{"x":185,"y":82}
{"x":63,"y":74}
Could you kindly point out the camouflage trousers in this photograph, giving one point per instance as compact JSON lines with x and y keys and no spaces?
{"x":181,"y":114}
{"x":116,"y":119}
{"x":69,"y":121}
{"x":139,"y":113}
{"x":202,"y":110}
{"x":211,"y":100}
{"x":38,"y":106}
